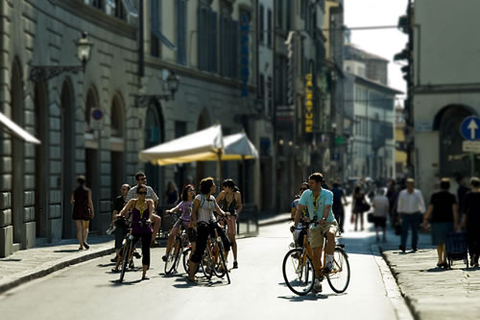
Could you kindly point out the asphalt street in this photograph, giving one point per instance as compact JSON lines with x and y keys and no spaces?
{"x":89,"y":290}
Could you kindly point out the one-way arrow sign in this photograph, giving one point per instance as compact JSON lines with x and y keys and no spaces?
{"x":470,"y":128}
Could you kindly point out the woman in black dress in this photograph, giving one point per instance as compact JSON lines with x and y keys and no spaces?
{"x":443,"y":210}
{"x":82,"y":211}
{"x":471,"y":220}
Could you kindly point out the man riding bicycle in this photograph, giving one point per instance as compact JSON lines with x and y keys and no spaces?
{"x":319,"y":203}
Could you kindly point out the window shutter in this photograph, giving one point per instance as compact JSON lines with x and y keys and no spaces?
{"x":213,"y":48}
{"x":235,"y":40}
{"x":201,"y":37}
{"x":181,"y":32}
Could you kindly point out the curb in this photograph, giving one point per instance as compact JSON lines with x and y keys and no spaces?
{"x":407,"y":298}
{"x":48,"y":268}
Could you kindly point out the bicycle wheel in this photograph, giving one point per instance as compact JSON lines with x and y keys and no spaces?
{"x":207,"y":264}
{"x":170,"y":261}
{"x":178,"y":252}
{"x":186,"y":259}
{"x":298,"y":272}
{"x":222,"y":268}
{"x":339,"y":278}
{"x":126,"y":250}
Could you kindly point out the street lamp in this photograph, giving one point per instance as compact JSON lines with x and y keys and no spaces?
{"x":172,"y":80}
{"x":84,"y":47}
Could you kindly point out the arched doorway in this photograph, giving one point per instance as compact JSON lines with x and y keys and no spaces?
{"x":92,"y":157}
{"x":453,"y":160}
{"x":41,"y":159}
{"x":67,"y":147}
{"x":203,"y":123}
{"x":18,"y":146}
{"x":154,"y":135}
{"x":117,"y":129}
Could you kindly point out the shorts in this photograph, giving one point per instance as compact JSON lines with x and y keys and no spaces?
{"x":380,"y":222}
{"x":317,"y":233}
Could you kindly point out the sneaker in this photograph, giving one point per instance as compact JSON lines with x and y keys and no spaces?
{"x":114,"y":259}
{"x":111,"y":230}
{"x":136,"y":255}
{"x":328,"y":267}
{"x":317,"y":286}
{"x":235,"y":265}
{"x":402,"y":248}
{"x":164,"y":258}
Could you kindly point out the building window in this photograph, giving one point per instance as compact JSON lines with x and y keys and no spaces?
{"x":97,"y":4}
{"x":261,"y":24}
{"x":280,"y":12}
{"x":269,"y":28}
{"x":120,"y":12}
{"x":155,"y":21}
{"x":207,"y":39}
{"x":181,"y":32}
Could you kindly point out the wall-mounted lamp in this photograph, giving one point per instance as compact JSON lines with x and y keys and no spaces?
{"x":172,"y":80}
{"x":84,"y":47}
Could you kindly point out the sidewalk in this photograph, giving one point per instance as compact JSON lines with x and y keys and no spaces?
{"x":432,"y":292}
{"x":26,"y":265}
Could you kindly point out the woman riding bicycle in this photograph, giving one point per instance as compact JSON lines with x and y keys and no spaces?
{"x":230,"y":200}
{"x":185,"y":207}
{"x":205,"y":222}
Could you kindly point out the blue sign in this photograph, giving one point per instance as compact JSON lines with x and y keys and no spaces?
{"x":470,"y":128}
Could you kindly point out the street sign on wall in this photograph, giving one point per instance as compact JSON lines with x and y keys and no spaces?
{"x":470,"y":128}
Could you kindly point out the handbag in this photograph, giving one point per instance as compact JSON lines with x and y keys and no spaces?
{"x":365,"y":206}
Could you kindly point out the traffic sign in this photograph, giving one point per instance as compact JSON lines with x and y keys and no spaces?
{"x":470,"y":128}
{"x":471,"y":146}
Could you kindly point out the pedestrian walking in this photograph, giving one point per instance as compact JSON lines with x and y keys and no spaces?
{"x":444,"y":218}
{"x":230,"y":200}
{"x":118,"y":225}
{"x":204,"y":221}
{"x":471,"y":220}
{"x":339,"y":200}
{"x":462,"y":191}
{"x":381,"y":209}
{"x":82,"y":211}
{"x":141,"y":210}
{"x":141,"y":178}
{"x":171,"y":194}
{"x":360,"y":206}
{"x":410,"y":206}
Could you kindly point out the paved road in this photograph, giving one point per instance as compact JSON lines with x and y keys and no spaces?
{"x":89,"y":290}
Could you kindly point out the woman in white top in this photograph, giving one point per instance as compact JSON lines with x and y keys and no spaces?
{"x":205,"y":222}
{"x":381,"y":207}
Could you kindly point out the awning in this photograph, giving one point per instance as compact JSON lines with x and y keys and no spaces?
{"x":197,"y":146}
{"x":15,"y":129}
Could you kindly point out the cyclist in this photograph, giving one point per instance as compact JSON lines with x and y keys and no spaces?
{"x":204,"y":221}
{"x":230,"y":200}
{"x":185,"y":207}
{"x":319,"y":203}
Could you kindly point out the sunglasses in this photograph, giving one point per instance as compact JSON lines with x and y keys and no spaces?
{"x":142,"y":192}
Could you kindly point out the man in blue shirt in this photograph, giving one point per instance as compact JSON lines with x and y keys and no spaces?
{"x":319,"y":203}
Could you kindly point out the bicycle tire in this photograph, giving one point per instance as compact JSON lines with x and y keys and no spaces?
{"x":207,"y":264}
{"x":339,"y":278}
{"x":224,"y":262}
{"x":186,"y":259}
{"x":298,"y":272}
{"x":178,"y":252}
{"x":170,"y":261}
{"x":125,"y":257}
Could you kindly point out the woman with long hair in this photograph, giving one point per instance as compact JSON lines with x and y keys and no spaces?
{"x":82,"y":211}
{"x":358,"y":199}
{"x":205,"y":222}
{"x":230,"y":201}
{"x":185,"y":207}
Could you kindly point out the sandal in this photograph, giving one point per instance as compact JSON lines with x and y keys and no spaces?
{"x":115,"y":270}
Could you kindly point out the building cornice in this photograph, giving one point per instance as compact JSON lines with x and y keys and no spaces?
{"x":97,"y":17}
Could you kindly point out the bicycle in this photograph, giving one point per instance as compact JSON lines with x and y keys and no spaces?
{"x":180,"y":242}
{"x":214,"y":258}
{"x":299,"y":271}
{"x":125,"y":254}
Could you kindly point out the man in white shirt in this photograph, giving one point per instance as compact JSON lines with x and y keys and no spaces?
{"x":410,"y":205}
{"x":132,"y":194}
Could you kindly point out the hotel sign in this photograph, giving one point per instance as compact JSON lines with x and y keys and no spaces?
{"x":308,"y":125}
